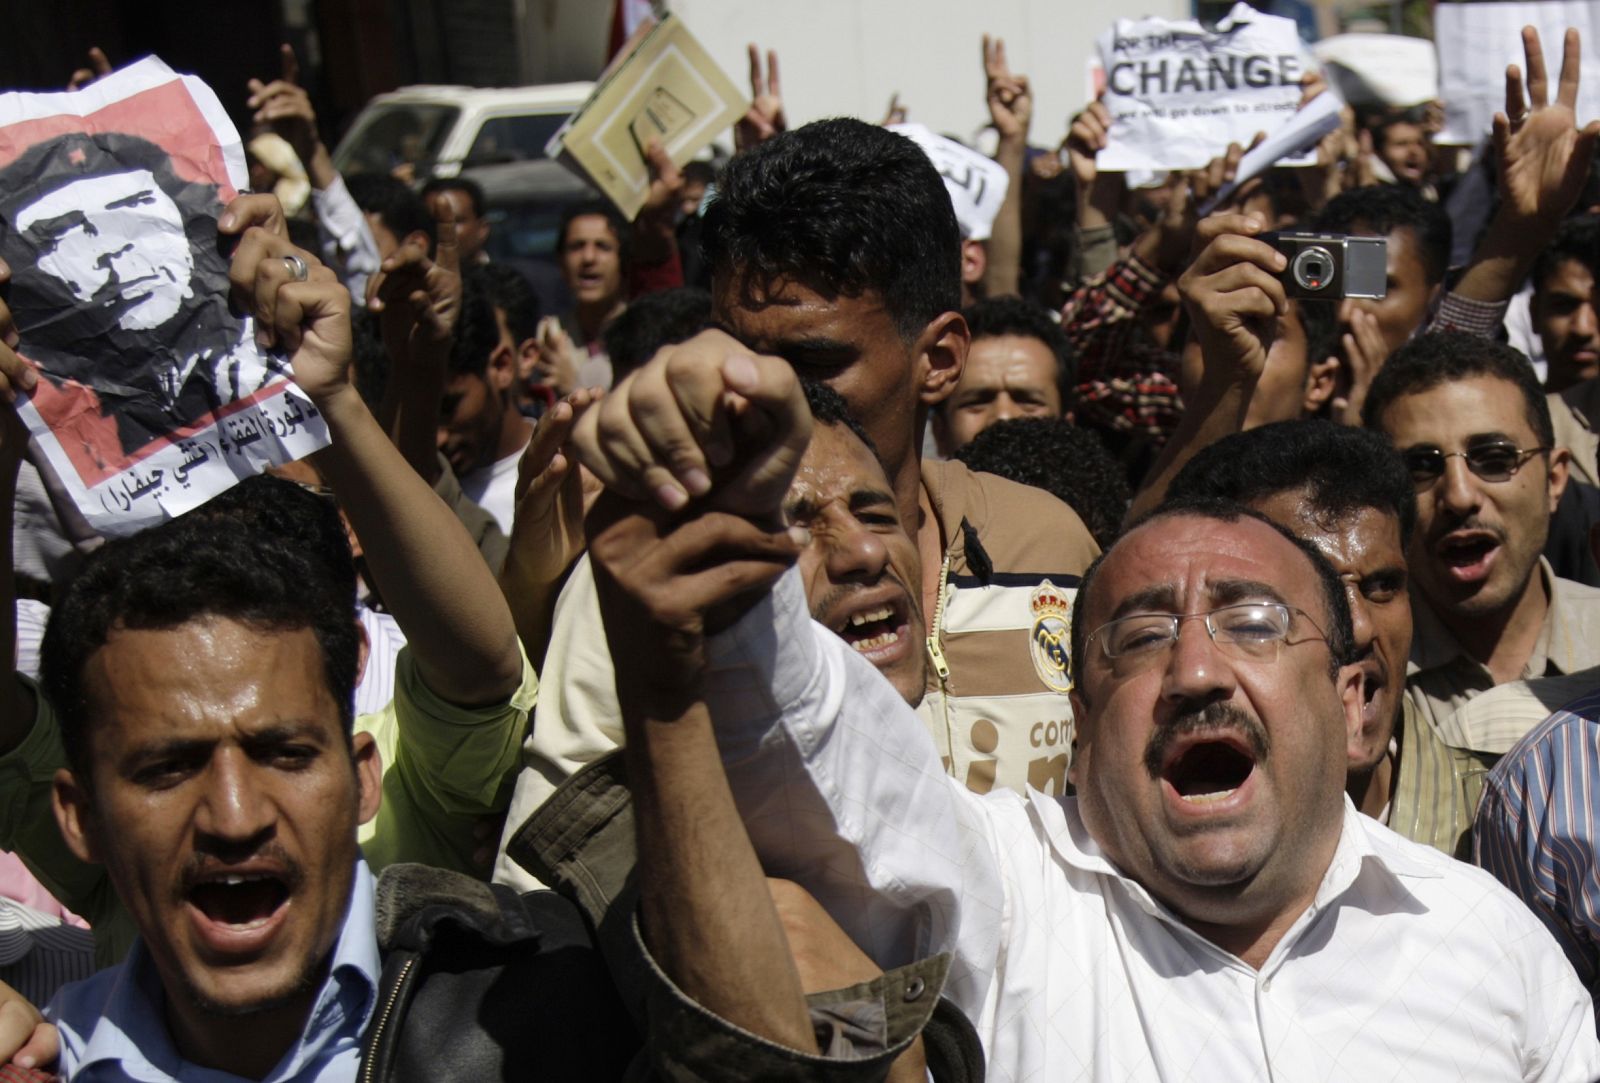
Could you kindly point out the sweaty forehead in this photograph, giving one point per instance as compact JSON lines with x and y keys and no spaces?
{"x":210,"y":676}
{"x":836,"y":465}
{"x":1184,"y":563}
{"x":87,"y":194}
{"x":1450,"y":415}
{"x":1355,"y":541}
{"x":785,"y":307}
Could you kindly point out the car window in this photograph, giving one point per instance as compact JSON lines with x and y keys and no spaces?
{"x":525,"y":230}
{"x":397,"y":133}
{"x":514,"y":139}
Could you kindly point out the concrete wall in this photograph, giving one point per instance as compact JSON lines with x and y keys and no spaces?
{"x":848,"y":56}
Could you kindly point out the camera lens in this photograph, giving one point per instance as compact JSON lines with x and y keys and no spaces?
{"x":1312,"y":268}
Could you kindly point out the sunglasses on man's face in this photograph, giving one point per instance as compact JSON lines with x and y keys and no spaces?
{"x":1496,"y":461}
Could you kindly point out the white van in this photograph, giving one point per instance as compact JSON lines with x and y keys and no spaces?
{"x":439,"y":129}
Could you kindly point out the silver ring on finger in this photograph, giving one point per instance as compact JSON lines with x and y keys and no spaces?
{"x":298,"y":271}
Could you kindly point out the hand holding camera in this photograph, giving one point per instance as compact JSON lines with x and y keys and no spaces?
{"x":1235,"y":295}
{"x":1331,"y":266}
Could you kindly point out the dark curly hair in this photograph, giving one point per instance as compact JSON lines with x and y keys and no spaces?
{"x":395,"y":203}
{"x":512,"y":293}
{"x":1442,"y":357}
{"x":477,"y":334}
{"x":1065,"y":461}
{"x":1342,"y":469}
{"x":996,"y":316}
{"x":1578,"y":240}
{"x":1383,"y":208}
{"x":267,"y":553}
{"x":842,"y":207}
{"x":655,"y":320}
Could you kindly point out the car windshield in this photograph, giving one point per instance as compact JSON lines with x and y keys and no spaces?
{"x":514,"y":139}
{"x":395,"y":134}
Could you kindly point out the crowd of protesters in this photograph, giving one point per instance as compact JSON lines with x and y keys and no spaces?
{"x":846,"y":643}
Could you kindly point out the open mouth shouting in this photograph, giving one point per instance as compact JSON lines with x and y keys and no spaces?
{"x":877,"y":624}
{"x":1206,"y":761}
{"x":1468,"y":556}
{"x":237,"y":910}
{"x":1207,"y":771}
{"x":1373,"y":677}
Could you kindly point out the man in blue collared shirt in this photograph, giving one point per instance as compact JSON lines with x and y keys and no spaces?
{"x":127,"y":1038}
{"x":202,"y":675}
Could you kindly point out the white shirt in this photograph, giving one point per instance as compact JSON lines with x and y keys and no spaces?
{"x":1520,"y":331}
{"x":1407,"y":966}
{"x":384,"y":640}
{"x":347,"y":242}
{"x":494,"y":488}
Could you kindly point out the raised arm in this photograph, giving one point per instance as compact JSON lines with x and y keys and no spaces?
{"x":1234,"y":300}
{"x":553,"y":495}
{"x":424,"y":563}
{"x":1544,"y":160}
{"x":1010,"y":111}
{"x":418,"y":301}
{"x":285,"y":107}
{"x":765,"y":117}
{"x":826,"y":761}
{"x":704,"y":906}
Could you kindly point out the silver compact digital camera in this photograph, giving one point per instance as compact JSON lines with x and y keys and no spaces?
{"x":1328,"y":266}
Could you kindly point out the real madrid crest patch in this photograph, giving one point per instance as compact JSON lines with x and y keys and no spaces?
{"x":1050,"y":638}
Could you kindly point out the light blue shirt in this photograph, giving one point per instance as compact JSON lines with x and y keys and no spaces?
{"x":113,"y":1025}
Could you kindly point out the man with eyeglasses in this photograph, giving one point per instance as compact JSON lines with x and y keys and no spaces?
{"x":1471,"y":422}
{"x":1210,"y":904}
{"x":1346,"y":492}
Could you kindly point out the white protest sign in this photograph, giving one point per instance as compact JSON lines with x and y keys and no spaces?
{"x":977,"y":185}
{"x":1380,"y":69}
{"x":1301,"y":131}
{"x":1476,"y":41}
{"x":153,"y":396}
{"x":1178,"y":93}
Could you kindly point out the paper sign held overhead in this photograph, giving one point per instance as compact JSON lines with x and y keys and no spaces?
{"x":153,"y":396}
{"x":1294,"y":136}
{"x":1380,"y":69}
{"x":1178,"y":93}
{"x":662,"y":85}
{"x":977,"y":184}
{"x":1476,"y":41}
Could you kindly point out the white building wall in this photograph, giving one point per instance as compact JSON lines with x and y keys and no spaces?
{"x":848,"y":56}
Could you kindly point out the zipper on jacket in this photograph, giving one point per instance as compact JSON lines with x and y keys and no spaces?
{"x":936,"y":629}
{"x":383,"y":1017}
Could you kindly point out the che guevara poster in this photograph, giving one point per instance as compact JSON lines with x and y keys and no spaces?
{"x":154,"y":395}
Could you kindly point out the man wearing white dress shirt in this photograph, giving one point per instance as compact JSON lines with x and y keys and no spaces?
{"x":1209,"y":905}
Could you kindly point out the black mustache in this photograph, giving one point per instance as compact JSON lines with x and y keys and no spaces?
{"x":202,"y":865}
{"x":1215,"y":716}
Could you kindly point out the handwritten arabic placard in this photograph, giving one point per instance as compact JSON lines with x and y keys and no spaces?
{"x":154,"y":396}
{"x":1178,"y":93}
{"x":977,"y":184}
